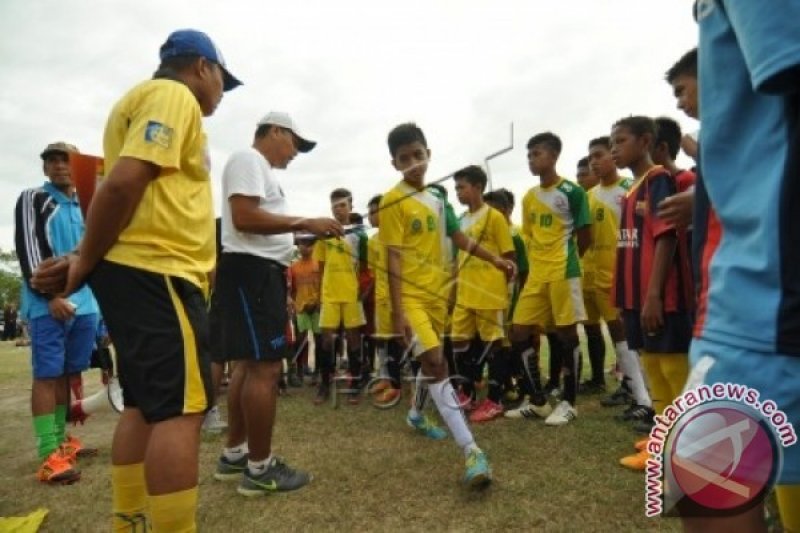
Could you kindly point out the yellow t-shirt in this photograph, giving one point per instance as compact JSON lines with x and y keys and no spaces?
{"x":172,"y":230}
{"x":418,"y":224}
{"x":550,"y":216}
{"x":605,"y":208}
{"x":480,"y":284}
{"x":342,"y":256}
{"x":376,"y":251}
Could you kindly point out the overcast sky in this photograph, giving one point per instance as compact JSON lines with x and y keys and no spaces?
{"x":348,"y":71}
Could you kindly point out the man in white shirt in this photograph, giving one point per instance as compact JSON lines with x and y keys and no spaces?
{"x":257,"y":243}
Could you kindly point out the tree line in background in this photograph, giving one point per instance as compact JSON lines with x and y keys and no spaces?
{"x":10,"y":279}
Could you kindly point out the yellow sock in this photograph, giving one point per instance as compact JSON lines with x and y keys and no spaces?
{"x":789,"y":506}
{"x":174,"y":512}
{"x":675,"y":368}
{"x":129,"y":498}
{"x":660,"y":391}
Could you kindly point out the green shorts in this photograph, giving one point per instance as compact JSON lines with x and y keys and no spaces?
{"x":308,"y":321}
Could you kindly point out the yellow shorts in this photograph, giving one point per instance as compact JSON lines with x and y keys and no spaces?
{"x":426,"y":319}
{"x":488,"y":324}
{"x":549,"y":303}
{"x":598,"y":305}
{"x":335,"y":314}
{"x":384,"y":328}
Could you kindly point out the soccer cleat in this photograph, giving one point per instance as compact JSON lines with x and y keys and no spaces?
{"x":228,"y":470}
{"x":424,"y":425}
{"x":641,"y":444}
{"x":380,"y":386}
{"x":621,"y":396}
{"x":479,"y":473}
{"x":485,"y":411}
{"x":322,"y":395}
{"x":636,"y":413}
{"x":73,"y":449}
{"x":386,"y":399}
{"x":511,"y":395}
{"x":276,"y":477}
{"x":465,"y":401}
{"x":528,"y":410}
{"x":295,"y":381}
{"x":562,"y":414}
{"x":213,"y":423}
{"x":643,"y":426}
{"x":58,"y":469}
{"x":591,"y":386}
{"x":636,"y":461}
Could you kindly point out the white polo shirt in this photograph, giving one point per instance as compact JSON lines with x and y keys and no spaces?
{"x":248,"y":173}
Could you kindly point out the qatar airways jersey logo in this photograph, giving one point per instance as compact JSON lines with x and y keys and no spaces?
{"x":628,"y":238}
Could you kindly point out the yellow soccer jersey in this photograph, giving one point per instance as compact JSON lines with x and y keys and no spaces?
{"x":418,"y":224}
{"x":376,"y":252}
{"x":480,"y":284}
{"x":342,"y":257}
{"x":550,"y":216}
{"x":172,"y":230}
{"x":605,"y":207}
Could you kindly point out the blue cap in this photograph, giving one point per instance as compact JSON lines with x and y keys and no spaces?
{"x":193,"y":42}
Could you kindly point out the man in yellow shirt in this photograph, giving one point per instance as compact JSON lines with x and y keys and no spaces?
{"x":555,"y":222}
{"x":482,"y":291}
{"x":340,"y":261}
{"x":414,"y":228}
{"x":149,"y":246}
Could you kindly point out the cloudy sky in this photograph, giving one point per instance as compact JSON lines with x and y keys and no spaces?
{"x":348,"y":71}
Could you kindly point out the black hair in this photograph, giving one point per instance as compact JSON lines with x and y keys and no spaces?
{"x":549,"y":140}
{"x":263,"y":129}
{"x":509,"y":195}
{"x":338,"y":194}
{"x":375,"y":200}
{"x":583,"y":162}
{"x":638,"y":125}
{"x":669,"y":132}
{"x":473,"y":174}
{"x":604,"y":141}
{"x":403,"y":135}
{"x":686,"y":66}
{"x":171,"y":67}
{"x":356,"y":218}
{"x":497,"y":198}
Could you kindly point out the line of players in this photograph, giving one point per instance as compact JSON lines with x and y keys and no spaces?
{"x":581,"y":258}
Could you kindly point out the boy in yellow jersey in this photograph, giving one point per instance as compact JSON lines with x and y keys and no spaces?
{"x":482,"y":293}
{"x":387,"y":390}
{"x":584,"y":175}
{"x":149,"y":246}
{"x":555,"y":221}
{"x":341,"y":260}
{"x":414,"y":227}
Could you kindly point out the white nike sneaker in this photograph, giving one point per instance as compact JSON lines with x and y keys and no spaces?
{"x":213,"y":422}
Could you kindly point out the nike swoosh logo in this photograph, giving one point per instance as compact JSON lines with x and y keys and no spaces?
{"x":272,"y":485}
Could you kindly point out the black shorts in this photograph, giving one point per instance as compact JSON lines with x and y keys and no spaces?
{"x":159,"y":327}
{"x":674,"y":337}
{"x":252,"y":299}
{"x":215,"y":330}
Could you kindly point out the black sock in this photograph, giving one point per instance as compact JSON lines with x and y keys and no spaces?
{"x":570,"y":363}
{"x":597,"y":352}
{"x":325,"y":364}
{"x":531,"y":381}
{"x":354,"y":366}
{"x":498,"y":374}
{"x":393,"y":354}
{"x":556,"y":356}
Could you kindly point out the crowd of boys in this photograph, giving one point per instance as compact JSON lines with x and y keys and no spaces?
{"x":463,"y":300}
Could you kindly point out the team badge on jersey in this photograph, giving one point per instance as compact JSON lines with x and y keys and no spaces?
{"x":158,"y":133}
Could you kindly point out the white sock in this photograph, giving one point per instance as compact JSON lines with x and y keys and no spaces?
{"x":447,"y":404}
{"x":383,"y":358}
{"x":235,"y":453}
{"x":257,"y":467}
{"x":632,"y":368}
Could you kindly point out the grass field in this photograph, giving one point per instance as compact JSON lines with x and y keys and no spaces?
{"x":371,"y":473}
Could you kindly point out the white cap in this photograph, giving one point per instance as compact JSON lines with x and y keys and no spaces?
{"x":283,"y":120}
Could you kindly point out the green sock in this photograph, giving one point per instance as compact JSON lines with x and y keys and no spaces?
{"x":44,"y":427}
{"x":60,"y":423}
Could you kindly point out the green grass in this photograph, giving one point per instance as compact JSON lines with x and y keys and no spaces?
{"x":371,"y":473}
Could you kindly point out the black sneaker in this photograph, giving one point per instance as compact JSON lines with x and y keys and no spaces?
{"x":228,"y":470}
{"x":636,"y":413}
{"x":621,"y":396}
{"x":591,"y":386}
{"x":276,"y":477}
{"x":644,"y":426}
{"x":295,"y":381}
